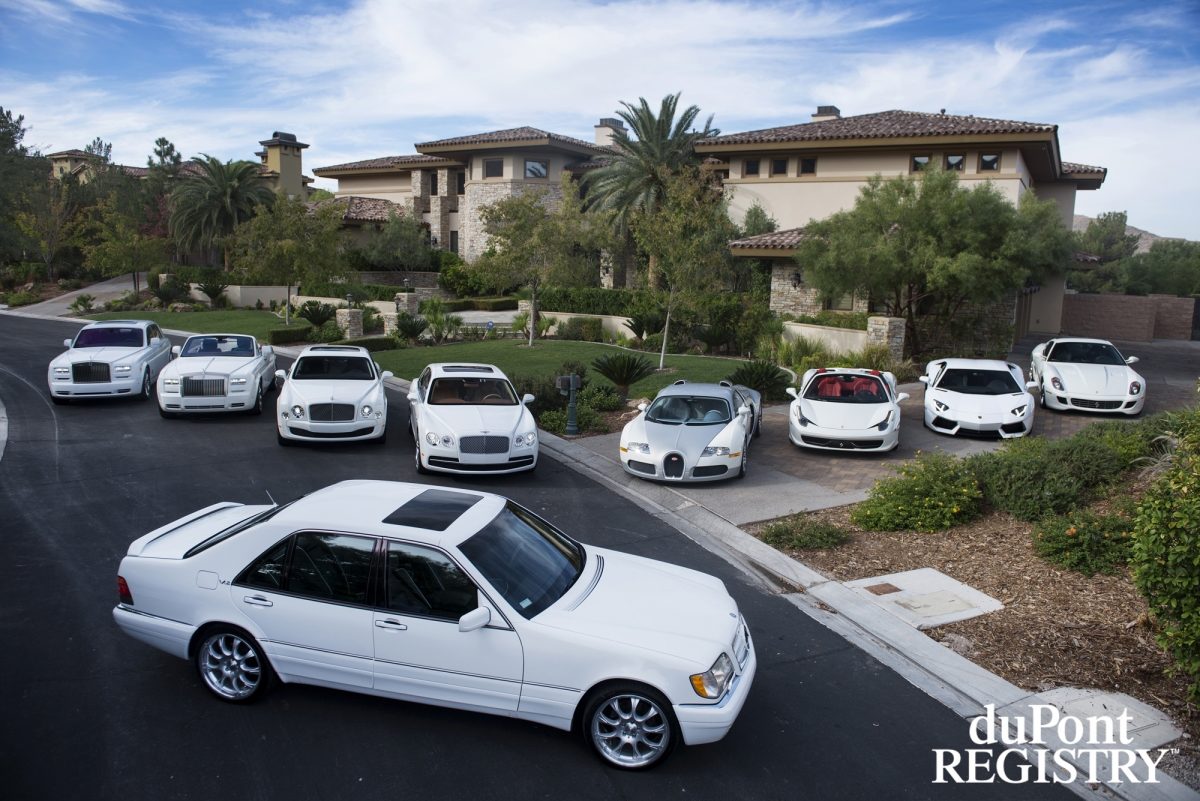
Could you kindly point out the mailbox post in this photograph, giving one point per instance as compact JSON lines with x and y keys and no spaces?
{"x":568,"y":385}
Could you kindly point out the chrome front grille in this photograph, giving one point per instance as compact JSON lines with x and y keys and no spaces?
{"x":192,"y":387}
{"x":488,"y":444}
{"x":331,"y":412}
{"x":89,"y":372}
{"x":741,"y":644}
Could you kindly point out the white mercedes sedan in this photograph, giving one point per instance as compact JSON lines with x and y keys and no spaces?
{"x":216,"y":373}
{"x":449,"y":597}
{"x":845,"y":409}
{"x":466,"y":418}
{"x":1088,"y":374}
{"x":107,"y":359}
{"x":977,"y":396}
{"x":333,"y":393}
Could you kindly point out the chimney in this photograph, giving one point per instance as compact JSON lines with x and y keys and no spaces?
{"x":606,"y":128}
{"x":827,"y":113}
{"x":282,"y":154}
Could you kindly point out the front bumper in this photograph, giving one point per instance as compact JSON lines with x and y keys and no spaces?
{"x":655,"y":466}
{"x":450,"y":460}
{"x":67,"y":388}
{"x":166,"y":635}
{"x":707,"y":723}
{"x":348,"y":431}
{"x":872,"y":440}
{"x":235,"y":402}
{"x":1105,"y":404}
{"x":1006,"y":426}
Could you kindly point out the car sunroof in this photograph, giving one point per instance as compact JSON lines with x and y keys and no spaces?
{"x":465,"y":368}
{"x":433,"y":510}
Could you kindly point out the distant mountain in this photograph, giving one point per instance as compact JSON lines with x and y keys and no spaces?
{"x":1145,"y":238}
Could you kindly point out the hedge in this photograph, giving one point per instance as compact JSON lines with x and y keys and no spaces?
{"x":288,"y":334}
{"x":371,"y":343}
{"x":587,"y":300}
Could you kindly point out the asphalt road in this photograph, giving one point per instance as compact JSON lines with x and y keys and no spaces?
{"x":92,"y":714}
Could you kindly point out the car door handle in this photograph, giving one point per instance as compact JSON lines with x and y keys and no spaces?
{"x":257,"y":600}
{"x":391,"y":625}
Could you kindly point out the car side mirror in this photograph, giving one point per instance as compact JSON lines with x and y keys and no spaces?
{"x":267,"y":350}
{"x":413,"y":396}
{"x":903,"y":396}
{"x":924,"y":379}
{"x":1031,"y":385}
{"x":743,"y":410}
{"x":792,"y":391}
{"x":174,"y":350}
{"x":155,"y":342}
{"x":477,"y":618}
{"x":281,"y":375}
{"x":1132,"y":360}
{"x":641,"y":407}
{"x":66,"y":343}
{"x":386,"y":374}
{"x":527,"y":399}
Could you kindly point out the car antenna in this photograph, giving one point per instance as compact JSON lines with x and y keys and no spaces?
{"x":272,"y":500}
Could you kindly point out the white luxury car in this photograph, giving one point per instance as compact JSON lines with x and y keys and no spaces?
{"x":692,"y":432}
{"x":1089,"y":374}
{"x":980,"y":396}
{"x":333,"y":393}
{"x":845,"y":409}
{"x":467,"y":418}
{"x":110,"y":358}
{"x":216,"y":373}
{"x":455,"y":598}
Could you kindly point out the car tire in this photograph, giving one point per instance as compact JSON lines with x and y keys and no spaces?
{"x":232,"y":665}
{"x":257,"y":408}
{"x":630,"y":726}
{"x":146,"y":391}
{"x":1042,"y":398}
{"x":421,"y":469}
{"x":745,"y":461}
{"x":757,"y":425}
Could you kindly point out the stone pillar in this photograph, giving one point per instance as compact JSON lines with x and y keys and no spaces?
{"x":389,"y":322}
{"x":887,"y":331}
{"x":350,"y":321}
{"x":406,"y":301}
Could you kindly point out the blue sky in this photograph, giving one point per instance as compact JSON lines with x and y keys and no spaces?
{"x":364,"y":78}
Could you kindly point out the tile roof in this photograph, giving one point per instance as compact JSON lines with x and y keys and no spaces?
{"x":880,"y":125}
{"x":521,"y":134}
{"x":776,"y":240}
{"x":1071,"y":166}
{"x":362,"y":209}
{"x":383,"y":162}
{"x":75,"y":153}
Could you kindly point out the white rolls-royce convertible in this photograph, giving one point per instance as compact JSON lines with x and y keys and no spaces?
{"x":216,"y":373}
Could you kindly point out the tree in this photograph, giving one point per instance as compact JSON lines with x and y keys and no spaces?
{"x":538,"y":240}
{"x":926,"y":242}
{"x":634,"y":181}
{"x":402,"y":244}
{"x":289,"y":243}
{"x":688,"y":234}
{"x":21,"y":171}
{"x":1106,"y":238}
{"x":207,"y":207}
{"x":117,"y":245}
{"x":1171,"y":267}
{"x":47,"y":217}
{"x":756,"y":222}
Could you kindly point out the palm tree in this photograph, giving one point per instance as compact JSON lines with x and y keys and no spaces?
{"x":210,"y":202}
{"x":634,"y":180}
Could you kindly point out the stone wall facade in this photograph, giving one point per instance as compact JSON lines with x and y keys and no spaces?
{"x":351,"y":322}
{"x":789,"y":295}
{"x":889,"y":332}
{"x":1128,"y":318}
{"x":472,"y":238}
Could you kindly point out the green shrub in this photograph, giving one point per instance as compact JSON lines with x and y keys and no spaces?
{"x":833,"y":319}
{"x":288,"y":334}
{"x":373,"y":344}
{"x":1166,"y":558}
{"x":494,"y":304}
{"x":410,"y":327}
{"x":372,"y":321}
{"x":762,"y":376}
{"x":581,"y":329}
{"x":932,"y":493}
{"x":316,"y":312}
{"x":601,"y":397}
{"x":461,"y":280}
{"x":325,"y":334}
{"x":1131,"y":440}
{"x":82,"y":303}
{"x":803,"y":533}
{"x":21,"y":298}
{"x":546,"y":396}
{"x":153,"y":278}
{"x":214,"y":290}
{"x":587,"y":300}
{"x":1083,"y":541}
{"x":170,"y":291}
{"x":623,"y":370}
{"x":586,"y":418}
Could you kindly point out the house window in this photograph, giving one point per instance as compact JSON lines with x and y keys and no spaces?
{"x":493,"y":168}
{"x":919,"y":163}
{"x":433,"y":183}
{"x":454,"y":241}
{"x":955,"y":162}
{"x":750,"y":167}
{"x":460,"y":180}
{"x":779,"y":166}
{"x":537,"y":170}
{"x":844,"y":303}
{"x":808,"y":166}
{"x":989,"y":162}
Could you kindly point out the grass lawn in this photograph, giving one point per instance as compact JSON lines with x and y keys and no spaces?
{"x":515,"y":357}
{"x":225,"y":321}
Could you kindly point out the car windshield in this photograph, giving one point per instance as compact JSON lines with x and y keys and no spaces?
{"x":218,"y":345}
{"x":688,"y":410}
{"x":333,"y":368}
{"x":529,"y":562}
{"x":979,"y":382}
{"x":470,"y":391}
{"x":1085,"y":353}
{"x":109,"y":337}
{"x":846,"y":388}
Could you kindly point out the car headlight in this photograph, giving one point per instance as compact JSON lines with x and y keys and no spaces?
{"x":712,"y":683}
{"x":1019,"y":411}
{"x":62,"y":370}
{"x":367,"y":410}
{"x":638,"y":447}
{"x":122,"y":368}
{"x":801,"y":418}
{"x":1054,"y":382}
{"x":715,"y":450}
{"x":445,"y":440}
{"x":884,"y":423}
{"x":237,"y":382}
{"x":170,"y":382}
{"x":298,"y":412}
{"x":526,"y":440}
{"x":1135,"y":388}
{"x":940,"y":407}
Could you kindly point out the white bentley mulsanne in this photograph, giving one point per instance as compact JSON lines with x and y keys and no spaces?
{"x":449,"y":597}
{"x":1087,"y":374}
{"x":333,"y":393}
{"x":109,"y":358}
{"x":467,"y":418}
{"x":216,"y":373}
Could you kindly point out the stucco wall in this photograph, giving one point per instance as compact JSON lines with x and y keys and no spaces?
{"x":841,"y":340}
{"x":244,"y":296}
{"x":1046,"y":306}
{"x":396,"y":187}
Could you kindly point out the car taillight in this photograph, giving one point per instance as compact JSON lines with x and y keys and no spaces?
{"x":123,"y":591}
